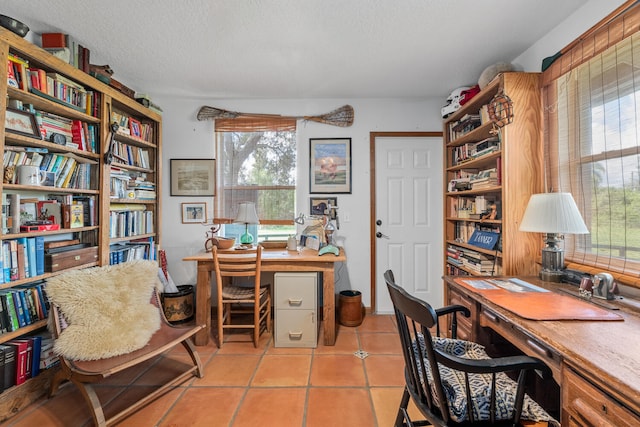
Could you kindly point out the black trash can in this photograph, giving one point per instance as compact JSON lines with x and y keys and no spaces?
{"x":178,"y":306}
{"x":350,"y":308}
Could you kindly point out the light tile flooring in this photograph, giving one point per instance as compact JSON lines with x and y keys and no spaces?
{"x":264,"y":386}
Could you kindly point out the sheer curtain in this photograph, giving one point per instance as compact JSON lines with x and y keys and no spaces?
{"x":592,"y":139}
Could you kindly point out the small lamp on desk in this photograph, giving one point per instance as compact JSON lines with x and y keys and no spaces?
{"x":554,"y":214}
{"x":247,"y":215}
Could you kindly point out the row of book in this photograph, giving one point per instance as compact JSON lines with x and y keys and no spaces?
{"x":466,"y":124}
{"x":129,"y":126}
{"x":67,"y":171}
{"x":78,"y":134}
{"x":52,"y":86}
{"x":127,"y":223}
{"x":130,"y":185}
{"x":133,"y":156}
{"x":472,"y":260}
{"x":22,"y":306}
{"x":129,"y":251}
{"x":24,"y":358}
{"x":21,"y":258}
{"x":474,"y":150}
{"x":472,"y":207}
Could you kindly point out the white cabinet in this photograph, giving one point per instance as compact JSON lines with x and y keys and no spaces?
{"x":296,"y":309}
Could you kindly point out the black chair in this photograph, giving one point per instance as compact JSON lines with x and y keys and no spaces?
{"x":454,"y":382}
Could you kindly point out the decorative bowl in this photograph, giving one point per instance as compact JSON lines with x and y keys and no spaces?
{"x":14,"y":25}
{"x":224,"y":242}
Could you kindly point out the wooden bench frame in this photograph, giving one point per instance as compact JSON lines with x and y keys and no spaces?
{"x":86,"y":373}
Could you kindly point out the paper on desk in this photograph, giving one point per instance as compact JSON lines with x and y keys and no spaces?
{"x":513,"y":285}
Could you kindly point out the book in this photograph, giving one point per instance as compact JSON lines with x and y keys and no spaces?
{"x":9,"y":365}
{"x":21,"y":360}
{"x":31,"y":255}
{"x":6,"y":261}
{"x":77,"y":216}
{"x":39,"y":240}
{"x":27,"y":309}
{"x":36,"y":343}
{"x":1,"y":369}
{"x":6,"y":298}
{"x":13,"y":247}
{"x":17,"y":303}
{"x":4,"y":320}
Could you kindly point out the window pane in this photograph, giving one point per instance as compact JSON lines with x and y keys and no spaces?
{"x":259,"y":167}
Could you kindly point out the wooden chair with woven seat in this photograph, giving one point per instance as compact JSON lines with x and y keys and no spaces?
{"x":252,"y":302}
{"x":454,"y":382}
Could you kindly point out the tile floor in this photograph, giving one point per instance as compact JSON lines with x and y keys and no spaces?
{"x":265,"y":386}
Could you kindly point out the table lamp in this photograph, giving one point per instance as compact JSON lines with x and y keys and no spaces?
{"x":247,"y":215}
{"x":554,"y":214}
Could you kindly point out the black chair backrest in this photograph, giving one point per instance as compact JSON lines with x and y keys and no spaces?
{"x":414,"y":317}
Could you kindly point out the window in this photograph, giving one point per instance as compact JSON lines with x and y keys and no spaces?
{"x":592,"y":130}
{"x":256,"y":162}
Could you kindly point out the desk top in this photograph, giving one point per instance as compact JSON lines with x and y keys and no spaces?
{"x":609,"y":351}
{"x":283,"y":255}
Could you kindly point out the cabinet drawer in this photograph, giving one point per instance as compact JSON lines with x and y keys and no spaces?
{"x":295,"y":291}
{"x":296,"y":328}
{"x":585,"y":404}
{"x":519,"y":338}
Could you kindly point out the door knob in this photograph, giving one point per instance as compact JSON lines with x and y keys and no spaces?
{"x":380,"y":235}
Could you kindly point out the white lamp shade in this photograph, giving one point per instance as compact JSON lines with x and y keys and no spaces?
{"x":553,"y":213}
{"x":247,"y":213}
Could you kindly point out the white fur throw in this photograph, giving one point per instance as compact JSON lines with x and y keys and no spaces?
{"x":107,"y":309}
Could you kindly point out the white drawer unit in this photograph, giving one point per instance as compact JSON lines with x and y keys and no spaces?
{"x":296,"y":309}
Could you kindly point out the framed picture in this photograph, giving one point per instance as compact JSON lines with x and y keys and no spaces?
{"x":193,"y":177}
{"x":21,"y":122}
{"x":318,"y":205}
{"x":134,"y":127}
{"x":330,"y":165}
{"x":194,"y":213}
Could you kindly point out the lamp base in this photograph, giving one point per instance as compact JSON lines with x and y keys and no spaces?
{"x":246,"y":239}
{"x":551,"y":276}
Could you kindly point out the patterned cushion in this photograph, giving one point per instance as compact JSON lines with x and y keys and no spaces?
{"x":454,"y":386}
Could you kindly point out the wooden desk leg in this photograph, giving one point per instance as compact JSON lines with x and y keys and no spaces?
{"x":203,"y":302}
{"x":328,"y":308}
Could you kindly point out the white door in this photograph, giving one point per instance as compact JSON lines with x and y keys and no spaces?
{"x":409,"y":217}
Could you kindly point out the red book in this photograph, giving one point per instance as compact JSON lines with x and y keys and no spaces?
{"x":21,"y":360}
{"x":53,"y":40}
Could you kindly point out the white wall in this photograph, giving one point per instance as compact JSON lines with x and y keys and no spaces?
{"x":185,"y":137}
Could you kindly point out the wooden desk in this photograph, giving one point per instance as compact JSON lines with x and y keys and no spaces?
{"x":273,"y":260}
{"x":596,"y":363}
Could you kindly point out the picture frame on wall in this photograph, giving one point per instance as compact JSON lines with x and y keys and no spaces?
{"x":194,"y":213}
{"x":318,"y":205}
{"x":21,"y":123}
{"x":330,"y":165}
{"x":193,"y":177}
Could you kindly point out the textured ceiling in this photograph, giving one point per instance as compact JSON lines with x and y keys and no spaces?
{"x":297,"y":48}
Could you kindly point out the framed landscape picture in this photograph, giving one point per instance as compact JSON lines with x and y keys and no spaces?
{"x":330,"y":165}
{"x":193,"y":177}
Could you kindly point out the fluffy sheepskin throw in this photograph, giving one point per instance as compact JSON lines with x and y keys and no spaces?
{"x":107,"y":309}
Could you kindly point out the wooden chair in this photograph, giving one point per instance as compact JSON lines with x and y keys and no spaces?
{"x":84,"y":374}
{"x":253,"y":302}
{"x":454,"y":382}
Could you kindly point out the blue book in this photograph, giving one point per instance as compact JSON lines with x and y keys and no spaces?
{"x":6,"y":266}
{"x":39,"y":255}
{"x":36,"y":341}
{"x":31,"y":253}
{"x":25,"y":306}
{"x":1,"y":263}
{"x":17,"y":303}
